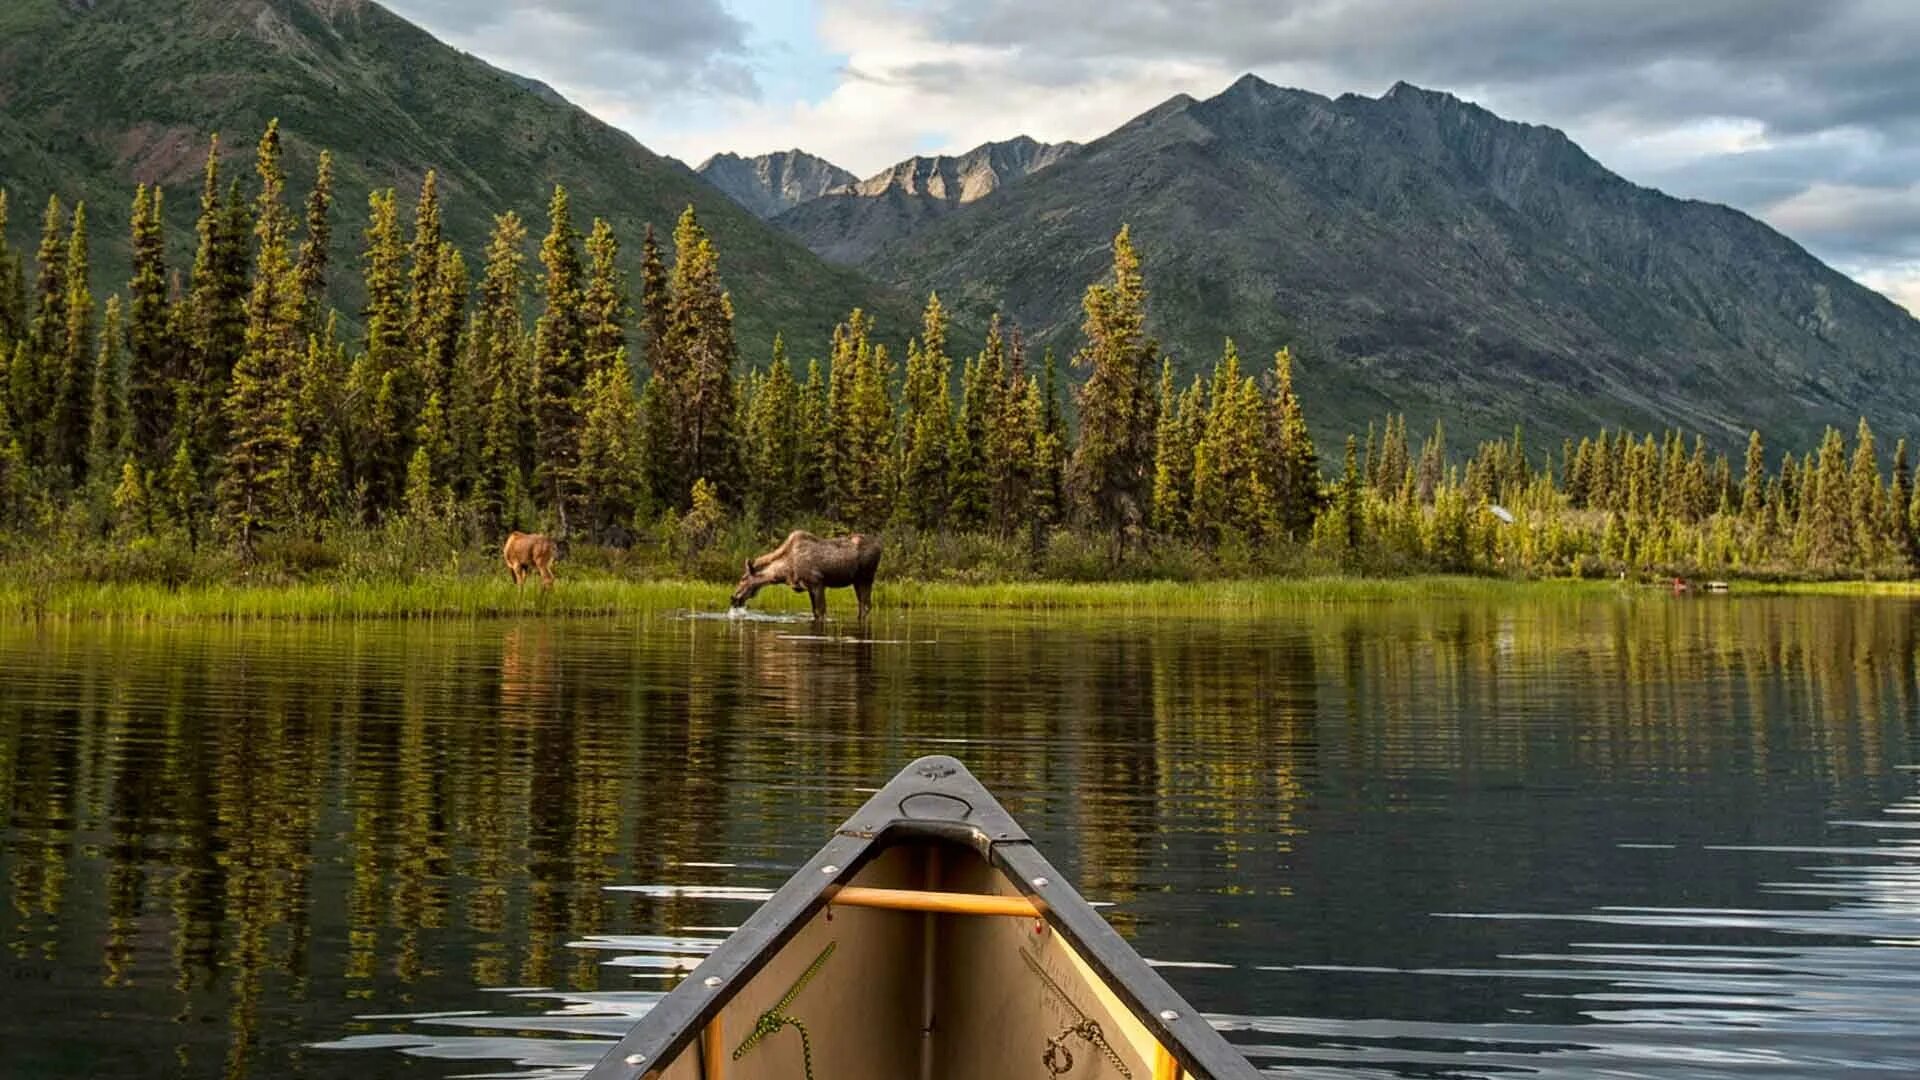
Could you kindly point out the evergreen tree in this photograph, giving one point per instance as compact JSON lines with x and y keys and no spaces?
{"x":1867,"y":498}
{"x":1113,"y":463}
{"x":1352,"y":505}
{"x":611,"y":471}
{"x":605,"y":307}
{"x":383,"y":386}
{"x":320,"y":425}
{"x":108,"y":441}
{"x":1012,"y":431}
{"x":1054,"y":444}
{"x":13,"y":296}
{"x":1294,"y":480}
{"x":132,"y":509}
{"x":815,"y":423}
{"x":559,"y":366}
{"x":860,"y":453}
{"x":153,"y":362}
{"x":495,"y":362}
{"x":214,"y":322}
{"x":1898,"y":525}
{"x":1826,"y":505}
{"x":1172,"y":459}
{"x":658,"y":397}
{"x":257,"y":489}
{"x":427,"y":469}
{"x":1231,"y":498}
{"x":967,"y":473}
{"x":74,"y":381}
{"x":926,"y":423}
{"x":1753,"y":488}
{"x":775,"y":437}
{"x":311,"y":269}
{"x":35,"y":377}
{"x":184,"y":493}
{"x":701,"y":349}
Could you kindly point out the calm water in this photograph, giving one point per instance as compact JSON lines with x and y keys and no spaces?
{"x":1629,"y":837}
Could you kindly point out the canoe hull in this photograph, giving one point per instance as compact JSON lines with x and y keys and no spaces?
{"x":845,"y":966}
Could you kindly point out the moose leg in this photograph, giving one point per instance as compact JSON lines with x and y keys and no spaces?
{"x":818,"y":594}
{"x":863,"y":590}
{"x":546,"y":574}
{"x":514,"y":569}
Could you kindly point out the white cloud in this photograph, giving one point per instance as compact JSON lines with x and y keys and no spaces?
{"x":1899,"y":282}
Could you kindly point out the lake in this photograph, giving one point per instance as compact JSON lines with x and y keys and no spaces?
{"x":1556,"y":836}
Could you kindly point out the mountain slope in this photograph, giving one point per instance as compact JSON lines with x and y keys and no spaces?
{"x":852,"y":224}
{"x":1421,"y":254}
{"x":771,"y":183}
{"x":98,"y":96}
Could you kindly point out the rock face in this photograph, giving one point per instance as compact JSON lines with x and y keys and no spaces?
{"x":1420,"y":254}
{"x":769,"y":184}
{"x":100,"y":96}
{"x":854,"y":223}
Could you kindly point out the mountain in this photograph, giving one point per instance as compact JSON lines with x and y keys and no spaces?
{"x":97,"y":96}
{"x":852,"y":224}
{"x":1421,"y":254}
{"x":771,"y":183}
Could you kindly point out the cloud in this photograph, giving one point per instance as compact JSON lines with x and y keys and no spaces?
{"x":619,"y":53}
{"x":1806,"y":114}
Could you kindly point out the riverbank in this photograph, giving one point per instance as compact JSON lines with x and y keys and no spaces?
{"x":463,"y":597}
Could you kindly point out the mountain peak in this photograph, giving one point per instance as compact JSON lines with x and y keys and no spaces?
{"x":771,"y":184}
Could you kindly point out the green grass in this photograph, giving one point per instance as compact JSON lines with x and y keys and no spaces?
{"x":477,"y":598}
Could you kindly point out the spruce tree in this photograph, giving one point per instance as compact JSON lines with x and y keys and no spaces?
{"x":311,"y":269}
{"x":860,"y":455}
{"x":383,"y":387}
{"x":427,"y":468}
{"x":657,"y":396}
{"x":491,"y":411}
{"x":35,"y":377}
{"x":611,"y":472}
{"x":108,"y":441}
{"x":604,"y":304}
{"x":775,"y":437}
{"x":559,"y":366}
{"x":1232,"y":486}
{"x":1112,"y":466}
{"x":968,"y":477}
{"x":257,"y":489}
{"x":926,"y":422}
{"x":13,"y":304}
{"x":1053,"y":427}
{"x":1352,"y":505}
{"x":1827,"y":503}
{"x":701,"y":349}
{"x":1867,"y":498}
{"x":815,"y":421}
{"x":213,"y":326}
{"x":73,"y":384}
{"x":1898,"y":526}
{"x":321,"y":426}
{"x":1294,"y":477}
{"x":1753,"y":487}
{"x":153,"y":361}
{"x":1012,"y":431}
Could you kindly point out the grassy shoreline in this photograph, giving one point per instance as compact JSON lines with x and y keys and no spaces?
{"x":464,"y":597}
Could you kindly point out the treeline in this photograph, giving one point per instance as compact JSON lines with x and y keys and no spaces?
{"x":221,"y":402}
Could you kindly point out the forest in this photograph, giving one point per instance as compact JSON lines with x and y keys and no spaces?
{"x":216,"y":420}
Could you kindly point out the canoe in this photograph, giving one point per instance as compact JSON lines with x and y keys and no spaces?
{"x":927,"y":939}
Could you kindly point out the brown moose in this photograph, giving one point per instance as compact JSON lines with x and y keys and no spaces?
{"x":527,"y":552}
{"x":806,"y":563}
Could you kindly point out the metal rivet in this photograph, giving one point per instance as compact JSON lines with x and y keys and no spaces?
{"x":1169,"y":1014}
{"x":1041,"y":883}
{"x":829,"y":869}
{"x":711,"y":981}
{"x":636,"y":1059}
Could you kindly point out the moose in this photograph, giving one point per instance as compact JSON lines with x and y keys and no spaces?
{"x":527,"y":552}
{"x":807,"y":563}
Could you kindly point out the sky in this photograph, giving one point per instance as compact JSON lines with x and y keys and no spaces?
{"x":1805,"y":114}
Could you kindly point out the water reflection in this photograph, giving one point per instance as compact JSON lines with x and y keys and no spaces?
{"x":1458,"y":839}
